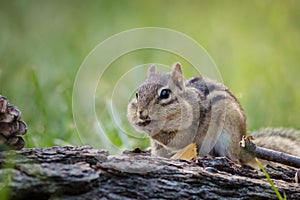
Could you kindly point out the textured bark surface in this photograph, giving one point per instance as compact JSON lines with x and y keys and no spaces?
{"x":86,"y":173}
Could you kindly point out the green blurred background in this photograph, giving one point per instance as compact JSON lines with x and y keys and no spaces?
{"x":255,"y":45}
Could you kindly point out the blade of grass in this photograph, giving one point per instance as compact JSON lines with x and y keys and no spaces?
{"x":39,"y":97}
{"x":270,"y":181}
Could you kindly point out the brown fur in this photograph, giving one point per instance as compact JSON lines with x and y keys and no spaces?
{"x":280,"y":139}
{"x":199,"y":110}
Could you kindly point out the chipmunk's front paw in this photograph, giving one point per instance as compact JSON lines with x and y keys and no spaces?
{"x":11,"y":127}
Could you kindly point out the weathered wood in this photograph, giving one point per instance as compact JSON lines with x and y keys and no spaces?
{"x":275,"y":156}
{"x":86,"y":173}
{"x":251,"y":148}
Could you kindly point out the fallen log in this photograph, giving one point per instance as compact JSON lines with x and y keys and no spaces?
{"x":87,"y":173}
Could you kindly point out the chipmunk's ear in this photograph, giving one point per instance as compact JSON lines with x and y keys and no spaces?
{"x":177,"y":75}
{"x":151,"y":70}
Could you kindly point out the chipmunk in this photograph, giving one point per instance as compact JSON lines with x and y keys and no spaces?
{"x":176,"y":112}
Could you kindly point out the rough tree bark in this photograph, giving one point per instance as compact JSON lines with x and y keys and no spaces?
{"x":86,"y":173}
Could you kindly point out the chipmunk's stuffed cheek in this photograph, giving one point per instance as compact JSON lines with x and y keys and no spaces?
{"x":132,"y":112}
{"x":170,"y":117}
{"x":186,"y":115}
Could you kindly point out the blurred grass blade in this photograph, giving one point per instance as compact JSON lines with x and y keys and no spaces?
{"x":115,"y":118}
{"x":270,"y":181}
{"x":39,"y":97}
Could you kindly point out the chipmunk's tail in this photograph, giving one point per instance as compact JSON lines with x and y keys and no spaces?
{"x":285,"y":140}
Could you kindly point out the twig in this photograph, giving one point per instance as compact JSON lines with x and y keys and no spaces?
{"x":277,"y":156}
{"x":268,"y":154}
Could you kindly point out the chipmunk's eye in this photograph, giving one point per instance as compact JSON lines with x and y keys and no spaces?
{"x":136,"y":95}
{"x":165,"y":93}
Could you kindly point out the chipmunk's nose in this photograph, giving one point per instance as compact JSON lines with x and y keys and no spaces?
{"x":143,"y":114}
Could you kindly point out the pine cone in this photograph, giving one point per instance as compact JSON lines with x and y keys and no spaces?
{"x":11,"y":127}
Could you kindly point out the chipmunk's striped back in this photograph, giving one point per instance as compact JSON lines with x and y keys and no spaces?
{"x":218,"y":100}
{"x":175,"y":113}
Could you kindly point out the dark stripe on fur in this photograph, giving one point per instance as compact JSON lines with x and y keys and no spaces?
{"x":217,"y":98}
{"x":194,"y":80}
{"x":200,"y":84}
